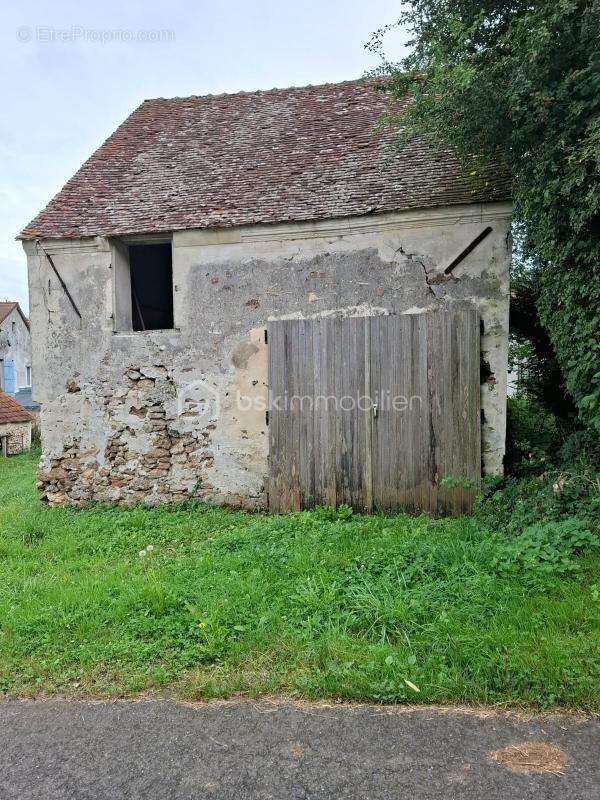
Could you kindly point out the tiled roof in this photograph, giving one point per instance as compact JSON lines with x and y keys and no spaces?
{"x":7,"y":307}
{"x":257,"y":157}
{"x":11,"y":411}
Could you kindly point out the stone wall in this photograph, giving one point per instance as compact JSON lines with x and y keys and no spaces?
{"x":156,"y":417}
{"x":18,"y":436}
{"x":146,"y":455}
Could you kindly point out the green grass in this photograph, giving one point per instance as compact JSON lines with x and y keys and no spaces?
{"x":311,"y":605}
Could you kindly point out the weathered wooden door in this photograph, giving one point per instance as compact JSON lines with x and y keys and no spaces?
{"x":375,"y":412}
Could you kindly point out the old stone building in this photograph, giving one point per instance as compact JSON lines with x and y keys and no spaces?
{"x":15,"y":427}
{"x":15,"y":349}
{"x":155,"y":271}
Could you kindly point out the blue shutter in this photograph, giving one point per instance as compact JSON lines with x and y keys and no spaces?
{"x":9,"y":376}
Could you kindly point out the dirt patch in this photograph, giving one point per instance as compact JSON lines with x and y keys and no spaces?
{"x":531,"y":757}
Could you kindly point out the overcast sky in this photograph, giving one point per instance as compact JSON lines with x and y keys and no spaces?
{"x":64,"y":90}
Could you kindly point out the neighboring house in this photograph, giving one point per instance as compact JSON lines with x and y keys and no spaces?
{"x":15,"y":348}
{"x":15,"y":427}
{"x":204,"y":221}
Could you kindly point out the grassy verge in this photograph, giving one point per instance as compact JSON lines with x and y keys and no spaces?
{"x":313,"y":604}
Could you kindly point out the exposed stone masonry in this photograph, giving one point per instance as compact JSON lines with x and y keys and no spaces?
{"x":18,"y":436}
{"x":146,"y":458}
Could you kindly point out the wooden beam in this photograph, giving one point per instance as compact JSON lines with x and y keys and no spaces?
{"x":60,"y":280}
{"x":468,"y":249}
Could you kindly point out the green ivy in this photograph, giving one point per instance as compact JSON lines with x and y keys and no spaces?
{"x":518,"y":84}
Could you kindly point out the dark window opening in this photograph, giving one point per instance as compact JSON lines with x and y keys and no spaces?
{"x":151,"y":271}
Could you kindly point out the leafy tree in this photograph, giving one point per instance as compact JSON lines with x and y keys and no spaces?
{"x":518,"y":84}
{"x":531,"y":353}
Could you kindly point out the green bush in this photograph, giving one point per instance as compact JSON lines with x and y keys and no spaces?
{"x":552,"y":474}
{"x":546,"y":550}
{"x":511,"y":504}
{"x":36,"y":436}
{"x":533,"y":436}
{"x":581,"y":447}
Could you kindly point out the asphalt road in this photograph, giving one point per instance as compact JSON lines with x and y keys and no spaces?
{"x":159,"y":750}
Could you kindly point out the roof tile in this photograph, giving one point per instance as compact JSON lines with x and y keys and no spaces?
{"x":6,"y":308}
{"x":259,"y":157}
{"x":11,"y":411}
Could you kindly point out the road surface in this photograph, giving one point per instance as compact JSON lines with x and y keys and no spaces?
{"x":162,"y":750}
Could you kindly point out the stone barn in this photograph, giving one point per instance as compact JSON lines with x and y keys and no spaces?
{"x":216,"y":247}
{"x":15,"y":427}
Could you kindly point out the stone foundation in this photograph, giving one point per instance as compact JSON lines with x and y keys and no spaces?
{"x":158,"y":448}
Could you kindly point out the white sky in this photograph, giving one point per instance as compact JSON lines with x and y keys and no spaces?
{"x":61,"y":99}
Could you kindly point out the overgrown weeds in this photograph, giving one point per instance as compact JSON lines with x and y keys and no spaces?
{"x":202,"y":602}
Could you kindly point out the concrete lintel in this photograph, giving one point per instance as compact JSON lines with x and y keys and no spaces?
{"x":346,"y":226}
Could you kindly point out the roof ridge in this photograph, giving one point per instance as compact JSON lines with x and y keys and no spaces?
{"x":272,"y":90}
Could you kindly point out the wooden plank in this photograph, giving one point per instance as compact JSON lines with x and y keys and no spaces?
{"x":342,"y":445}
{"x":331,"y":357}
{"x":420,"y":419}
{"x":368,"y":418}
{"x":275,"y":356}
{"x":468,"y":369}
{"x":327,"y":447}
{"x":386,"y":415}
{"x":320,"y":429}
{"x":362,"y":418}
{"x":338,"y":448}
{"x":352,"y":414}
{"x":392,"y":353}
{"x":306,"y":414}
{"x":440,"y":414}
{"x":285,"y":436}
{"x":351,"y":410}
{"x":295,"y":414}
{"x":377,"y":388}
{"x":412,"y":472}
{"x":403,"y":409}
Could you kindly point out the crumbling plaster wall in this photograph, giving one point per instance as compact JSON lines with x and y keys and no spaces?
{"x":155,"y":417}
